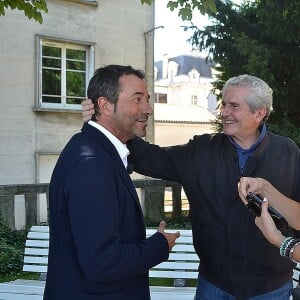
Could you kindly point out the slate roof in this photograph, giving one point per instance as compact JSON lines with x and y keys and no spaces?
{"x":185,"y":64}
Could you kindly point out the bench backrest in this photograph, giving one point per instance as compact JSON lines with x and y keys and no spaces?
{"x":182,"y":263}
{"x":36,"y":250}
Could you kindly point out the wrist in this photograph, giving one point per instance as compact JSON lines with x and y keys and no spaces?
{"x":278,"y":240}
{"x":264,"y":187}
{"x":288,"y":246}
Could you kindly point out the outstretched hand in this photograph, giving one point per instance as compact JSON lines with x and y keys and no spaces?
{"x":87,"y":110}
{"x":171,"y":237}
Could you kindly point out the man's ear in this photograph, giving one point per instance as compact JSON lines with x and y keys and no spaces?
{"x":261,"y":113}
{"x":104,"y":105}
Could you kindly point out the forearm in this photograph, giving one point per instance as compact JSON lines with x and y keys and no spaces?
{"x":296,"y":253}
{"x":289,"y":208}
{"x":152,"y":160}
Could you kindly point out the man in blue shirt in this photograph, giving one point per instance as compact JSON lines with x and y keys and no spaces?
{"x":236,"y":262}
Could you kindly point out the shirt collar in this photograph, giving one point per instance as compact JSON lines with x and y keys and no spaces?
{"x":120,"y":147}
{"x":254,"y":146}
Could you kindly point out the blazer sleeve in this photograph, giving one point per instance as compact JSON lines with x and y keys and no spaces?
{"x":94,"y":207}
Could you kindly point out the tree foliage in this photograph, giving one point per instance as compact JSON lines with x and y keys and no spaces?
{"x":32,"y":8}
{"x":186,"y":7}
{"x":261,"y":38}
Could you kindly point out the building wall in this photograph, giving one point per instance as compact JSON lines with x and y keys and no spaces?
{"x":26,"y":133}
{"x":168,"y":134}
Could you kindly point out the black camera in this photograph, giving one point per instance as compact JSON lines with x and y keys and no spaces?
{"x":254,"y":205}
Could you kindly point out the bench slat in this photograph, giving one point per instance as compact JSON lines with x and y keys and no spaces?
{"x":37,"y":243}
{"x":175,"y":265}
{"x":33,"y":268}
{"x":183,"y":248}
{"x":42,"y":228}
{"x":183,"y":256}
{"x":38,"y":235}
{"x":173,"y":274}
{"x":36,"y":260}
{"x":36,"y":251}
{"x":9,"y":296}
{"x":22,"y":289}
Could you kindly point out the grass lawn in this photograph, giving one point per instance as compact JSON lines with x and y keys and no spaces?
{"x":170,"y":282}
{"x":20,"y":275}
{"x":153,"y":281}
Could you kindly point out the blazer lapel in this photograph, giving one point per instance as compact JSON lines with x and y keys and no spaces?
{"x":116,"y":160}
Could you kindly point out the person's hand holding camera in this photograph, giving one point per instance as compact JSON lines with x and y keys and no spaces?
{"x":267,"y":226}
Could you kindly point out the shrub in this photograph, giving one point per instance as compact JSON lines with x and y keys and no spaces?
{"x":11,"y":249}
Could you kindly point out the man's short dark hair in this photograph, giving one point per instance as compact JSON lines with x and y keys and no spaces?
{"x":105,"y":83}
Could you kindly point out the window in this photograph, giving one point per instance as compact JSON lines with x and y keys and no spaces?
{"x":64,"y":71}
{"x":194,"y":100}
{"x":194,"y":76}
{"x":160,"y":98}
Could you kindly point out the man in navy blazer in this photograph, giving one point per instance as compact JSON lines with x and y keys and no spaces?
{"x":98,"y":248}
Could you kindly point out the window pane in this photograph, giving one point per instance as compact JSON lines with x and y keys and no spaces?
{"x":51,"y":63}
{"x":75,"y":84}
{"x":50,"y":99}
{"x":51,"y":57}
{"x":75,"y":59}
{"x":75,"y":75}
{"x":51,"y":82}
{"x":75,"y":100}
{"x":75,"y":65}
{"x":76,"y":54}
{"x":51,"y":74}
{"x":161,"y":98}
{"x":51,"y":51}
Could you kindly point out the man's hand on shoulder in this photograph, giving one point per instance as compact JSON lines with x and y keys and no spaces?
{"x":87,"y":110}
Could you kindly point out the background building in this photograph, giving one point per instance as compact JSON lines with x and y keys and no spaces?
{"x":45,"y":70}
{"x":184,"y":103}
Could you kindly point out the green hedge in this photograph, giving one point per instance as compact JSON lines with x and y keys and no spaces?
{"x":12,"y":244}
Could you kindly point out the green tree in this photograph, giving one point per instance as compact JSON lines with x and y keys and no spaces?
{"x":32,"y":8}
{"x":261,"y":38}
{"x":186,"y":7}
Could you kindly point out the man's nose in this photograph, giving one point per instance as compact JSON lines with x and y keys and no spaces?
{"x":148,"y":109}
{"x":225,"y":111}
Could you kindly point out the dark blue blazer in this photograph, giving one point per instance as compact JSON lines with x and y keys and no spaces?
{"x":98,"y":248}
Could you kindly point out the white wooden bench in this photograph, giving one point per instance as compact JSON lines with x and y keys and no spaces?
{"x":35,"y":260}
{"x":182,"y":264}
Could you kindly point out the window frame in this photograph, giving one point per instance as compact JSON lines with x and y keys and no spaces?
{"x":62,"y":43}
{"x":194,"y":100}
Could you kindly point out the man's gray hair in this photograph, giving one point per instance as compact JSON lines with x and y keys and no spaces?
{"x":260,"y":96}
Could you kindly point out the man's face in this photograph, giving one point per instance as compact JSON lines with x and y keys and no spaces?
{"x":238,"y":120}
{"x":130,"y":114}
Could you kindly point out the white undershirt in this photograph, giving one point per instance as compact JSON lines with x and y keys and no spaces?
{"x":121,"y":148}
